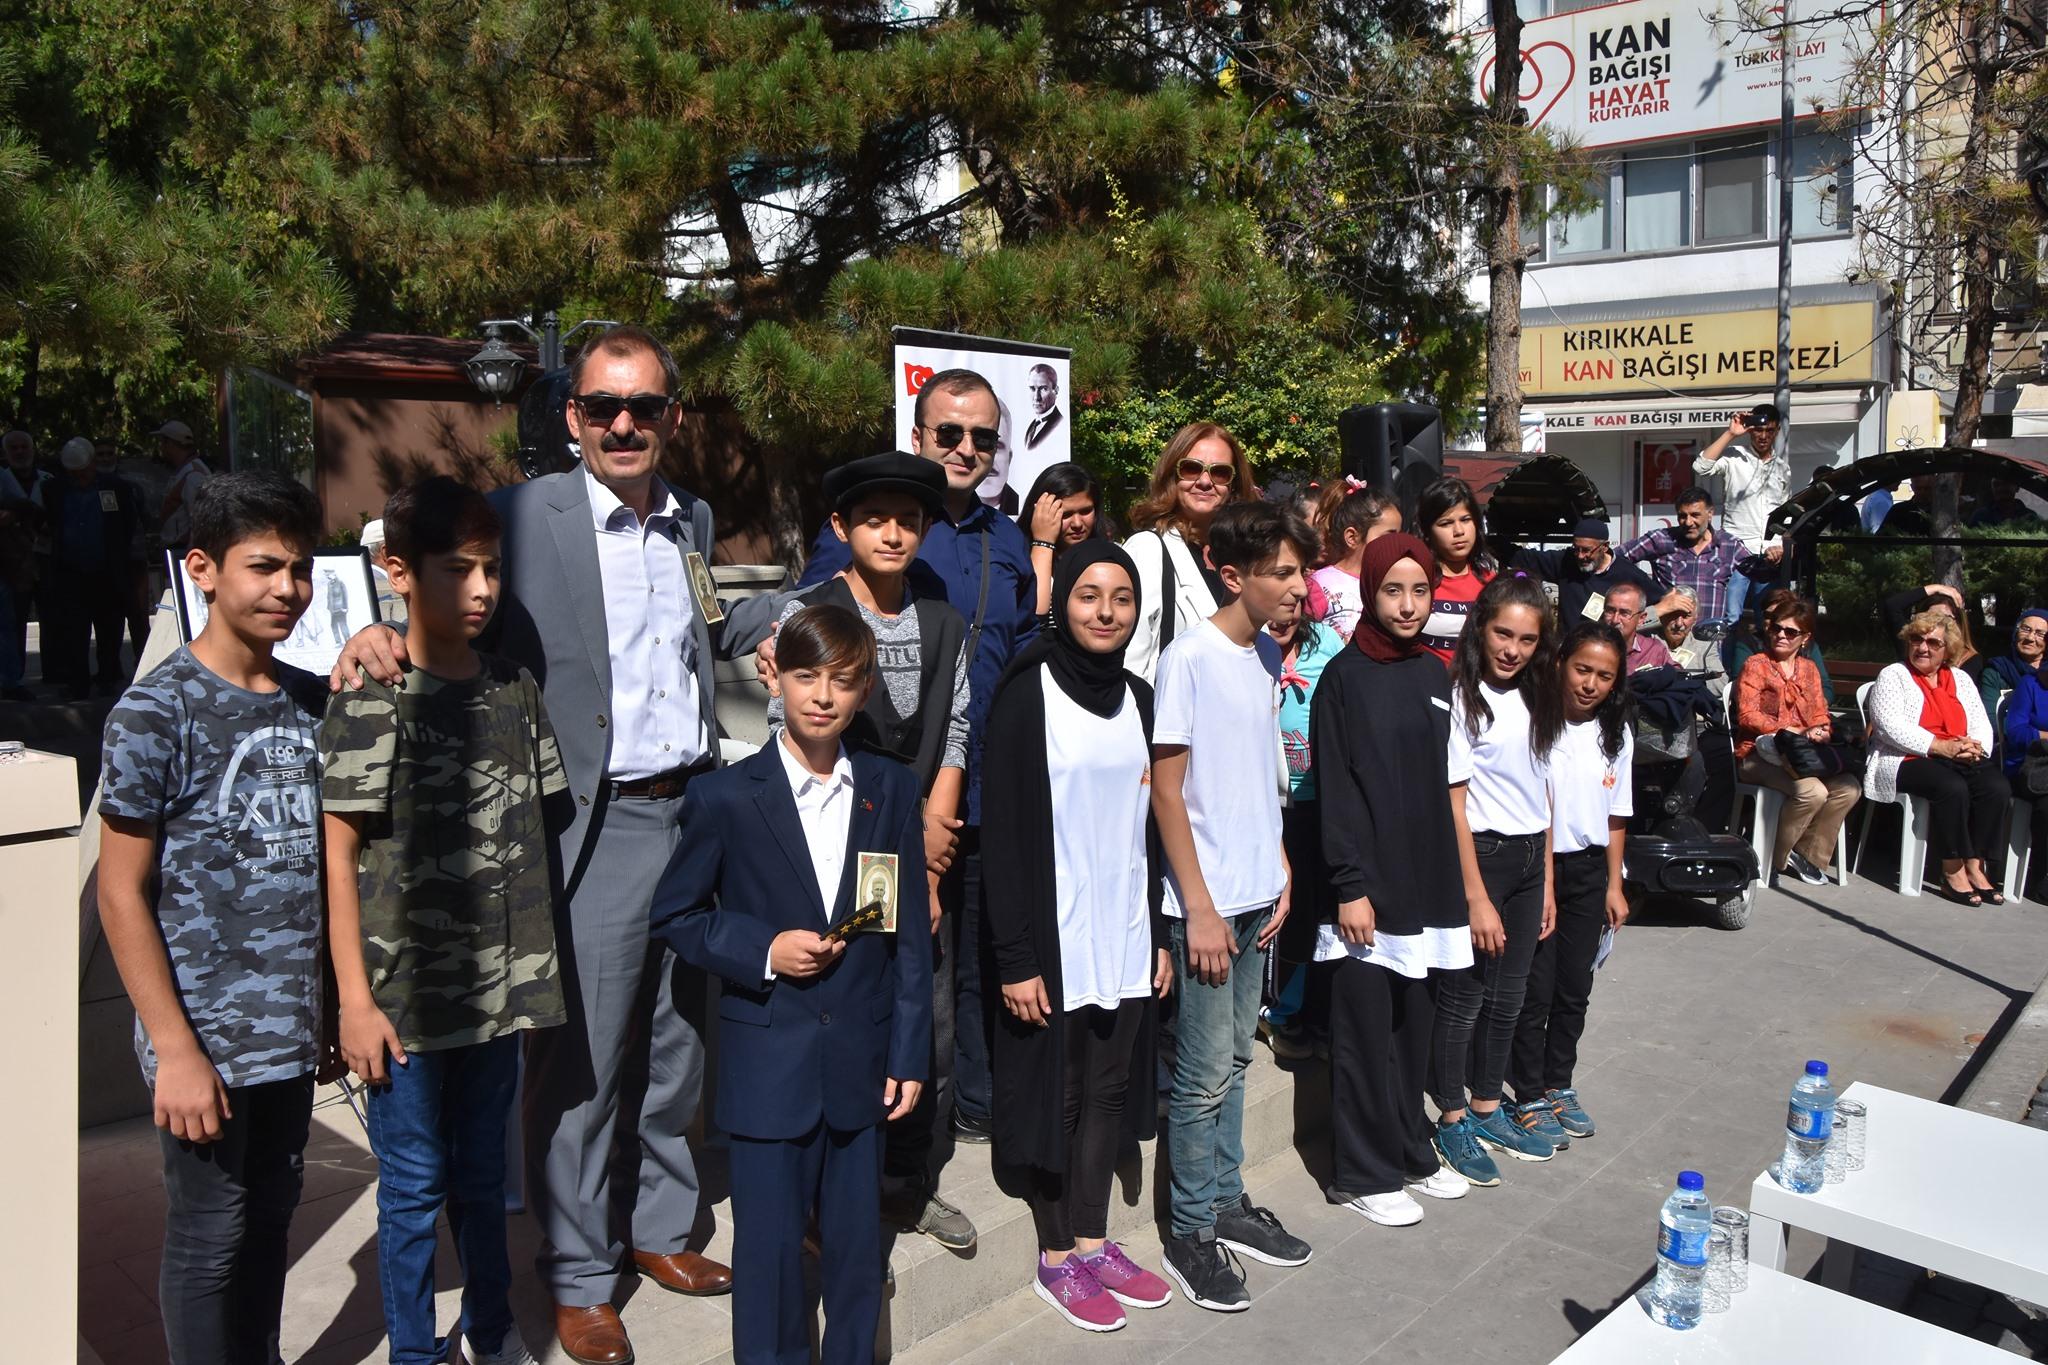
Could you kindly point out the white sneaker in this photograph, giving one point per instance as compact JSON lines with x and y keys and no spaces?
{"x":1442,"y":1183}
{"x":511,"y":1351}
{"x":1394,"y":1210}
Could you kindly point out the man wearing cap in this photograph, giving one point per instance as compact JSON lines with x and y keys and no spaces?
{"x":1587,"y":570}
{"x":176,"y":448}
{"x":390,"y":606}
{"x":1756,"y":478}
{"x":92,"y":520}
{"x":1690,"y":555}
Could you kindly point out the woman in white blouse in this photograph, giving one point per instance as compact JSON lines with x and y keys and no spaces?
{"x":1929,"y":737}
{"x":1202,"y":469}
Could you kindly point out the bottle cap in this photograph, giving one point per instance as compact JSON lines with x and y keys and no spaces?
{"x":1691,"y":1180}
{"x":1816,"y":1068}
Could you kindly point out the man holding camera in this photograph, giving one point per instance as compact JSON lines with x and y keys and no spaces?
{"x":1756,"y":479}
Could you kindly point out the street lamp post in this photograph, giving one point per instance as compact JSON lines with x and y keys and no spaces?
{"x":495,"y":369}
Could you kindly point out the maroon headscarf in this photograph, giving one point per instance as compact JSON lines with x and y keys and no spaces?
{"x":1380,"y":558}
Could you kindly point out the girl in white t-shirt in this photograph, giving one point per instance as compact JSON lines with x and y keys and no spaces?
{"x":1352,"y":517}
{"x":1505,"y":717}
{"x":1591,"y":801}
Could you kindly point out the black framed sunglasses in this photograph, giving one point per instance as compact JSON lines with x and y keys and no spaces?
{"x":950,"y":435}
{"x":604,"y":408}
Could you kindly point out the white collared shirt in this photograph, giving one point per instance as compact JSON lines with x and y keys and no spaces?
{"x":824,"y":807}
{"x":656,"y":724}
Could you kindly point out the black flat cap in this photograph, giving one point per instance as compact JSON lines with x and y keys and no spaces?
{"x":892,"y":471}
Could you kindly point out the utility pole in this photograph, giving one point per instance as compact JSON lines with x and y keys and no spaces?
{"x":1783,"y":396}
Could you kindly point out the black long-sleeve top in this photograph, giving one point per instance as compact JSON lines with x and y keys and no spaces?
{"x":1379,"y":734}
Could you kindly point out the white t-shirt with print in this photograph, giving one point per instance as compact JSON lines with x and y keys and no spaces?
{"x":1585,"y":789}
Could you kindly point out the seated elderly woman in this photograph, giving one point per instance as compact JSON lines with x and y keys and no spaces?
{"x":1929,"y":737}
{"x":1780,"y":691}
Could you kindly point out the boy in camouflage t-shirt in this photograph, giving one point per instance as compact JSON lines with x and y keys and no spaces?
{"x":441,"y":919}
{"x":209,"y":893}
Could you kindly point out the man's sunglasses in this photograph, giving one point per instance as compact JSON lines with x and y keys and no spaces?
{"x":950,"y":435}
{"x":604,"y":408}
{"x":1192,"y":469}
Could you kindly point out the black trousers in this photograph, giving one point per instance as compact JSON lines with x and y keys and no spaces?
{"x":1380,"y":1024}
{"x":2040,"y":832}
{"x":1075,"y":1202}
{"x":1476,"y":1008}
{"x":221,"y":1288}
{"x":1546,"y":1049}
{"x":1967,"y":803}
{"x":908,"y":1142}
{"x":86,"y":607}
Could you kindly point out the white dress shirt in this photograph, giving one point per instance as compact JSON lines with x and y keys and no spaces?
{"x":824,"y":807}
{"x":656,"y":725}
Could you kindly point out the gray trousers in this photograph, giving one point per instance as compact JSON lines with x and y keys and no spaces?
{"x":588,"y":1121}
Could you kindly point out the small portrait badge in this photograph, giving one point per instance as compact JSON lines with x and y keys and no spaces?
{"x":874,"y":890}
{"x":110,"y":501}
{"x":703,"y":589}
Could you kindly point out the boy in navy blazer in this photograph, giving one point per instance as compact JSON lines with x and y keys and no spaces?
{"x":825,"y":1017}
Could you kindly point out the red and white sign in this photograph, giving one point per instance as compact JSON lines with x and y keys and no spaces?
{"x":1643,"y":70}
{"x":1666,"y":470}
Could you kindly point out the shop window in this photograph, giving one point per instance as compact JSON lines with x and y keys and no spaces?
{"x":1656,"y":194}
{"x":1821,"y":184}
{"x":1580,"y":234}
{"x":1733,"y":191}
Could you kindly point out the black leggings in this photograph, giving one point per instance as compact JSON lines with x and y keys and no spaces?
{"x":1476,"y":1008}
{"x":1966,"y":803}
{"x":1075,"y":1202}
{"x":1553,"y":1018}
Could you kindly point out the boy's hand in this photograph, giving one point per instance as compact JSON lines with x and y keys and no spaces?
{"x":901,"y":1096}
{"x":1028,"y":1001}
{"x":941,"y":841}
{"x":378,"y":651}
{"x":764,"y":662}
{"x":365,"y":1037}
{"x":1279,"y":915}
{"x":1210,"y":946}
{"x":803,"y":952}
{"x":191,"y":1101}
{"x":1162,"y":974}
{"x":1355,"y":921}
{"x":1489,"y":935}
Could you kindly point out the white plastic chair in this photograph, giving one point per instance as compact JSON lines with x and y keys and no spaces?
{"x":1770,"y":804}
{"x":1915,"y":820}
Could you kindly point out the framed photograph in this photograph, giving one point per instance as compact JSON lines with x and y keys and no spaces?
{"x":344,"y":601}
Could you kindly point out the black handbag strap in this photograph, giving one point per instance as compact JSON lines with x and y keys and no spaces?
{"x":1169,"y":605}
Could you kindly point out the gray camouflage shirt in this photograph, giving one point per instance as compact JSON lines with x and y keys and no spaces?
{"x":227,"y":777}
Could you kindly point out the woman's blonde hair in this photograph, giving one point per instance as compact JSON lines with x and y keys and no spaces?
{"x":1159,"y":509}
{"x":1928,"y":621}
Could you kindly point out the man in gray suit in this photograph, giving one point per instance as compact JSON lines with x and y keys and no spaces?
{"x":597,"y":605}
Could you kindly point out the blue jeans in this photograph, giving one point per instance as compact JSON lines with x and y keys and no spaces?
{"x":438,"y":1130}
{"x":1205,"y":1107}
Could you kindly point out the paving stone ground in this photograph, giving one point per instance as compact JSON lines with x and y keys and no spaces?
{"x":1695,"y":1038}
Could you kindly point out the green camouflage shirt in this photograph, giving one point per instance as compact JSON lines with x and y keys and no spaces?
{"x":457,"y":912}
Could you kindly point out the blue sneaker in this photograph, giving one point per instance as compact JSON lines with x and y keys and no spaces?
{"x":1499,"y":1131}
{"x":1570,"y":1117}
{"x":1458,"y":1145}
{"x":1539,"y":1118}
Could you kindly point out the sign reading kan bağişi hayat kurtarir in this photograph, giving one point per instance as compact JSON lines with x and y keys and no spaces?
{"x":1831,"y":344}
{"x":1643,"y":70}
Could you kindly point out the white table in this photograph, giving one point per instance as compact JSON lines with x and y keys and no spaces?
{"x":1956,"y":1192}
{"x":1778,"y":1319}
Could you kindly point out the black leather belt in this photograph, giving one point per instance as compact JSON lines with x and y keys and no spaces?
{"x":660,"y":787}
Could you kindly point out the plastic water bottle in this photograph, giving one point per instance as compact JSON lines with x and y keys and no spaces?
{"x":1682,"y":1227}
{"x":1809,"y":1123}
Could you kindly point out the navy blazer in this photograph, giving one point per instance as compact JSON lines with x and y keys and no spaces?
{"x":794,"y":1051}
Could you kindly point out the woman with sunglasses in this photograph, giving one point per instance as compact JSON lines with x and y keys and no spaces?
{"x":1780,"y":689}
{"x":1201,"y":470}
{"x":1929,"y":737}
{"x":1063,"y":508}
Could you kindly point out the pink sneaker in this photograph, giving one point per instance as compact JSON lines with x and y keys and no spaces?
{"x":1075,"y":1294}
{"x":1129,"y":1283}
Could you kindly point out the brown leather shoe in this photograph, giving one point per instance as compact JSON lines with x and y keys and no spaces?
{"x":685,"y":1272}
{"x":594,"y":1335}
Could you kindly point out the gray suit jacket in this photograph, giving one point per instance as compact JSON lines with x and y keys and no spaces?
{"x":551,"y":619}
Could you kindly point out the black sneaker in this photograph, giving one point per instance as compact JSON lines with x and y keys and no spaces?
{"x":1801,"y":867}
{"x":1205,"y":1273}
{"x":1258,"y":1234}
{"x":972,"y":1128}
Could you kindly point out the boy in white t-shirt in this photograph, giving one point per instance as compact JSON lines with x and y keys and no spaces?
{"x":1216,"y":784}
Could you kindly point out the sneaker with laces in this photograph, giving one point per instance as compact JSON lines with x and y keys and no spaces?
{"x":1076,"y":1295}
{"x":1570,"y":1117}
{"x":1458,"y":1145}
{"x":511,"y":1351}
{"x":1800,"y":866}
{"x":1289,"y":1041}
{"x":1255,"y":1232}
{"x":1129,"y":1283}
{"x":1501,"y":1133}
{"x":1441,"y":1183}
{"x":1205,"y":1273}
{"x":934,"y":1217}
{"x":1396,"y":1210}
{"x":1539,"y":1118}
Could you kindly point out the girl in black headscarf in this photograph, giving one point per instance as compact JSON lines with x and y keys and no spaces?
{"x":1072,"y":933}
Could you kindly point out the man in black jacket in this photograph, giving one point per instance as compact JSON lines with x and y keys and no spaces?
{"x":92,"y":525}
